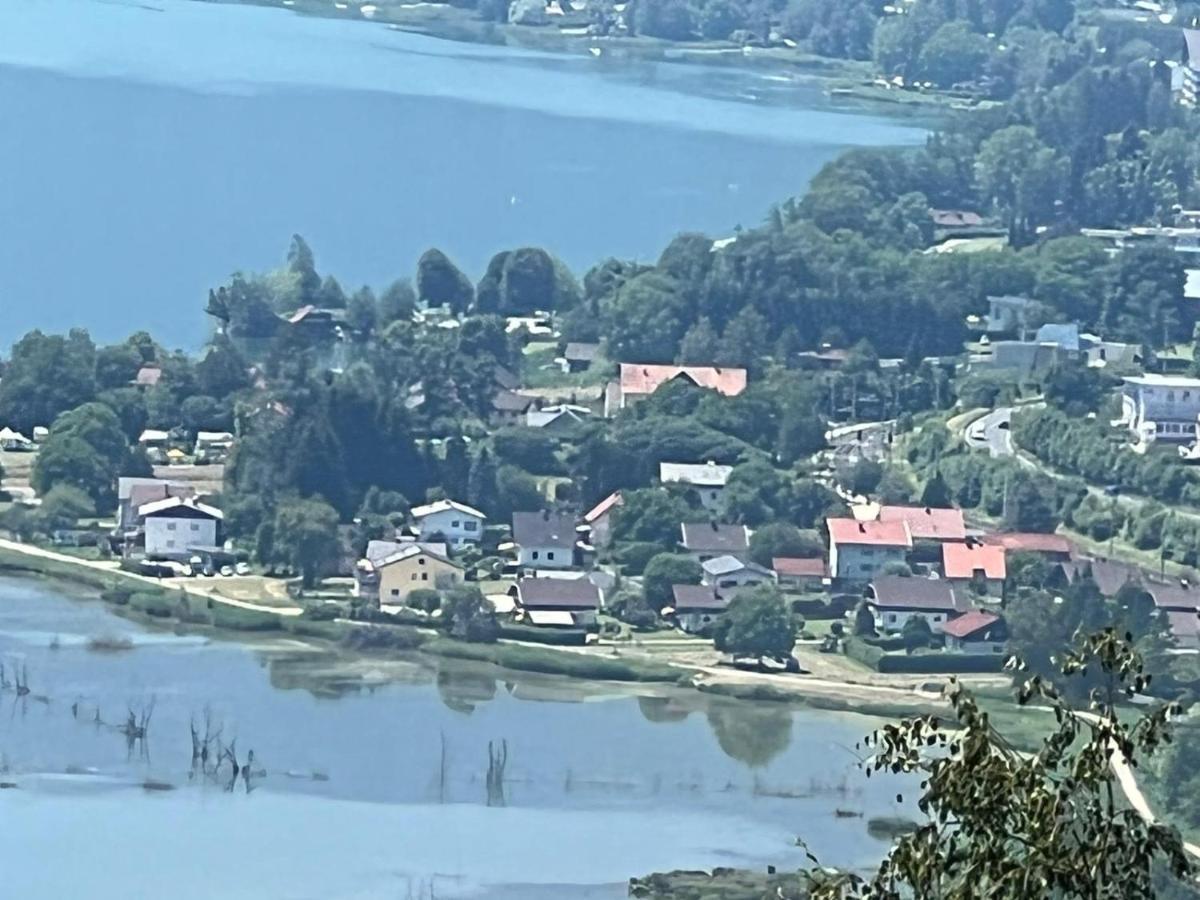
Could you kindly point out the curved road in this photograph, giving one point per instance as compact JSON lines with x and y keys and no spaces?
{"x":991,"y":432}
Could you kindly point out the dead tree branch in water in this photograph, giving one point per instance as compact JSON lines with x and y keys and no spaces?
{"x":497,"y":762}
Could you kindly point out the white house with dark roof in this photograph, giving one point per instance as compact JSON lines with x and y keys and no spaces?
{"x":708,"y":540}
{"x":176,"y":525}
{"x":558,"y":602}
{"x":707,"y":479}
{"x":1160,"y":407}
{"x":545,"y":540}
{"x":694,"y":607}
{"x":727,"y":575}
{"x":454,"y":522}
{"x":894,"y":599}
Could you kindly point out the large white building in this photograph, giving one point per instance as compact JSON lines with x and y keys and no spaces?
{"x":175,"y":527}
{"x":455,"y":523}
{"x":1160,"y":407}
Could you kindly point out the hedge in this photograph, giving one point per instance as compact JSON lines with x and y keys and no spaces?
{"x":921,"y":663}
{"x":559,"y":662}
{"x":557,"y":637}
{"x":931,"y":663}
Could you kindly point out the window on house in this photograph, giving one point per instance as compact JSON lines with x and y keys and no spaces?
{"x":550,"y":554}
{"x":412,"y":577}
{"x":1170,"y":396}
{"x":421,"y":561}
{"x":170,"y":543}
{"x":470,"y":525}
{"x":170,"y":526}
{"x":534,"y":554}
{"x":891,"y":617}
{"x":424,"y":576}
{"x":395,"y":592}
{"x":455,"y":523}
{"x":195,"y":526}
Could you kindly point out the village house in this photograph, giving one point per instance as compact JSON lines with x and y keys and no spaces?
{"x":1179,"y":601}
{"x":558,"y":602}
{"x":176,"y":527}
{"x":147,"y":376}
{"x":858,"y":551}
{"x":1109,"y":576}
{"x":975,"y":567}
{"x":545,"y":540}
{"x":414,"y":566}
{"x":15,"y":442}
{"x":1010,"y":315}
{"x":366,"y":576}
{"x":510,"y":408}
{"x":1052,"y":547}
{"x":600,"y":517}
{"x":578,"y":357}
{"x":808,"y":575}
{"x":727,"y":575}
{"x":556,"y":419}
{"x":448,"y":520}
{"x":927,"y":523}
{"x":212,"y":446}
{"x":708,"y":480}
{"x":637,"y":381}
{"x":695,"y":607}
{"x":708,"y":540}
{"x":894,"y":599}
{"x":976,"y":631}
{"x":1160,"y":407}
{"x":134,"y":493}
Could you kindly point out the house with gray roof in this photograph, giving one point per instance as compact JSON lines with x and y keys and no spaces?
{"x":707,"y":540}
{"x":727,"y":575}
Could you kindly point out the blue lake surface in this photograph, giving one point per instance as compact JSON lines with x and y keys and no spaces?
{"x":602,"y":781}
{"x":150,"y":149}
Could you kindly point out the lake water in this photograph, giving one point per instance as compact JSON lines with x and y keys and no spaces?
{"x":150,"y":148}
{"x":601,"y":783}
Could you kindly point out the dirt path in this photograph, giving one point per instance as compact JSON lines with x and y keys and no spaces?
{"x":197,"y":589}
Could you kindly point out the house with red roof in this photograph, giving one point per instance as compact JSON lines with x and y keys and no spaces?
{"x":806,"y":574}
{"x":638,"y":381}
{"x":1053,"y":547}
{"x":975,"y":566}
{"x":927,"y":523}
{"x":600,"y":519}
{"x":858,"y":551}
{"x":976,"y":631}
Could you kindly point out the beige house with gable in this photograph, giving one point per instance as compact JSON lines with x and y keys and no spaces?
{"x":412,"y":568}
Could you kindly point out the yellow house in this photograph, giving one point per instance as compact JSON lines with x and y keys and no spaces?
{"x":414,"y":568}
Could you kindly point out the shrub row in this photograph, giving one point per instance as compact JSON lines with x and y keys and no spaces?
{"x":564,"y":637}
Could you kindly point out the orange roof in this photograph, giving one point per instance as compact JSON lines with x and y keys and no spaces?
{"x":612,"y":500}
{"x":969,"y":623}
{"x":964,"y":560}
{"x":1030,"y":542}
{"x":646,"y":379}
{"x":881,"y":534}
{"x":926,"y":523}
{"x":800,"y":567}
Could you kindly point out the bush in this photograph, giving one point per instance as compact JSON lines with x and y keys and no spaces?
{"x":152,"y":604}
{"x":867,"y":654}
{"x":634,"y":557}
{"x":377,"y":638}
{"x":322,"y":612}
{"x":425,"y":599}
{"x":225,"y":615}
{"x":116,"y":596}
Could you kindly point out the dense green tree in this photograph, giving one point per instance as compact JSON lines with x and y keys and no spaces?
{"x":664,"y":571}
{"x":757,"y":623}
{"x":916,"y":633}
{"x":305,"y":537}
{"x":46,"y":375}
{"x":781,"y":539}
{"x":441,"y":282}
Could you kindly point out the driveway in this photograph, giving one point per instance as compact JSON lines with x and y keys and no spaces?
{"x":992,"y":433}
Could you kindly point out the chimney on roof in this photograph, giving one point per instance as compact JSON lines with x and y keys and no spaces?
{"x":713,"y":523}
{"x":928,"y":511}
{"x":862,"y":529}
{"x":545,"y":515}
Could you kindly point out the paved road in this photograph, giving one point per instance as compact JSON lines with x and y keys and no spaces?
{"x":991,"y":432}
